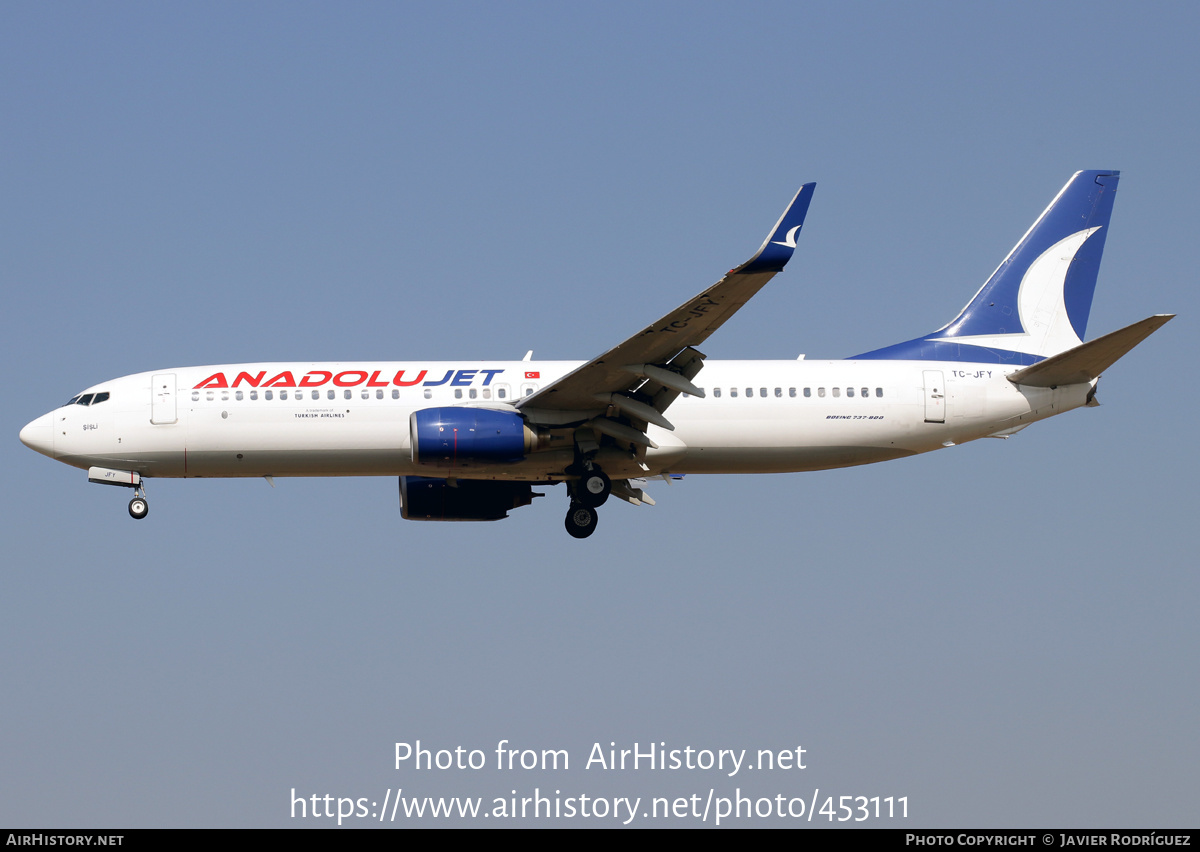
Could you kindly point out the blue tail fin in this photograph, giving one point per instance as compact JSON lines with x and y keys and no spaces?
{"x":1036,"y":303}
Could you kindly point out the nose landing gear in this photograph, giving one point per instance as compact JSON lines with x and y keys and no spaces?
{"x":138,"y":508}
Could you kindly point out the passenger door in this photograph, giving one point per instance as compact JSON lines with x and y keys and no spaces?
{"x":162,"y":399}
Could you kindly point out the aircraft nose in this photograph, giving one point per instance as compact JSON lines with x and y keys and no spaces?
{"x":39,"y":435}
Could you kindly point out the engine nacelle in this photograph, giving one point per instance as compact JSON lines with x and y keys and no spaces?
{"x":426,"y":499}
{"x":451,"y":436}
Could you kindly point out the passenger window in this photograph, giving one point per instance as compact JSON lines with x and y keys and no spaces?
{"x":878,"y":391}
{"x":749,"y":392}
{"x":821,"y":392}
{"x":208,"y":396}
{"x":195,"y":396}
{"x":331,"y":394}
{"x":807,"y":393}
{"x":501,"y":393}
{"x":269,"y":395}
{"x":366,"y":394}
{"x":837,"y":392}
{"x":379,"y":394}
{"x":733,"y":391}
{"x":472,"y":393}
{"x":282,"y":394}
{"x":395,"y":393}
{"x":237,"y":395}
{"x":762,"y":392}
{"x":779,"y":392}
{"x":254,"y":394}
{"x":850,"y":392}
{"x":347,"y":394}
{"x":866,"y":392}
{"x":717,"y":393}
{"x":429,"y":393}
{"x":529,"y":391}
{"x":458,"y":393}
{"x":224,"y":397}
{"x":792,"y":393}
{"x":487,"y":393}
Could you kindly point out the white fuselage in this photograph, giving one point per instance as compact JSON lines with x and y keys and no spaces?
{"x":352,"y":419}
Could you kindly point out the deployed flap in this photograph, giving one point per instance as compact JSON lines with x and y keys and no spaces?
{"x":626,"y":490}
{"x":1088,"y":360}
{"x":622,"y":368}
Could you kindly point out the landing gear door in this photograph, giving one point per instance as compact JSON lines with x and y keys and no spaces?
{"x":162,"y":399}
{"x":935,"y":396}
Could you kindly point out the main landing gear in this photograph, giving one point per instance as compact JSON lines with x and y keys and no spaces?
{"x":581,"y":520}
{"x":593,"y":487}
{"x":587,"y":494}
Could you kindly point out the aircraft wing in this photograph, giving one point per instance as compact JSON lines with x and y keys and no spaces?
{"x":641,"y":376}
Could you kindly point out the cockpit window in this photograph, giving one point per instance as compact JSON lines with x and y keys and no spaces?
{"x":88,"y":399}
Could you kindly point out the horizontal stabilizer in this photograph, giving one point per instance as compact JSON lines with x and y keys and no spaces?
{"x":1088,"y":360}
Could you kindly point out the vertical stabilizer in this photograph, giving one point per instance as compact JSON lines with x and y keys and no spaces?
{"x":1036,"y":303}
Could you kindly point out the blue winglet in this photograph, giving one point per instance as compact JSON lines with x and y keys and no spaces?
{"x":777,"y":249}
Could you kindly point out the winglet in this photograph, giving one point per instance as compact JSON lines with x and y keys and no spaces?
{"x":777,"y":249}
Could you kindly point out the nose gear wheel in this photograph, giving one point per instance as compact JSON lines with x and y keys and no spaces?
{"x":138,"y":508}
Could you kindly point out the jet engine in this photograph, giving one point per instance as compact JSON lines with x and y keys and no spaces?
{"x":453,"y":436}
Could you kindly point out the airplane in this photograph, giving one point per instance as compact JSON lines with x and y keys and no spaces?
{"x":469,"y":441}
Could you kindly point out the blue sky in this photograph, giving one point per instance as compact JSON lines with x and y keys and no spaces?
{"x":1004,"y":632}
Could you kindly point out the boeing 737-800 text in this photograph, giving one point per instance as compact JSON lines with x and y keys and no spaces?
{"x":470,"y":441}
